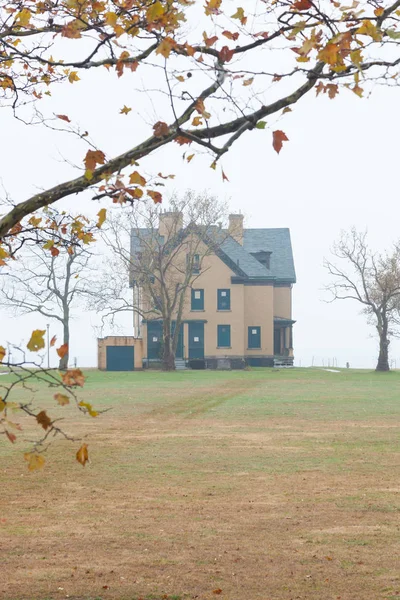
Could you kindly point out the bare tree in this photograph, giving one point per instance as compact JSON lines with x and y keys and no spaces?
{"x":373,"y":280}
{"x":48,"y":278}
{"x":161,"y":254}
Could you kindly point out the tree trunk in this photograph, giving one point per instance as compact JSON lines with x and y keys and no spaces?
{"x":63,"y":364}
{"x":383,"y":358}
{"x":168,"y":361}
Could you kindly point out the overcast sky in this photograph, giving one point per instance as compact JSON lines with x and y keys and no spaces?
{"x":339,"y":168}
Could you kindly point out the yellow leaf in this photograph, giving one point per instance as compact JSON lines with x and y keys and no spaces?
{"x":82,"y":456}
{"x":197,"y":121}
{"x":2,"y":405}
{"x":61,"y":399}
{"x":166,"y":46}
{"x":35,"y":461}
{"x":248,"y":81}
{"x":368,"y":28}
{"x":189,"y":158}
{"x":155,"y":11}
{"x":239,"y":14}
{"x":89,"y":408}
{"x":111,"y":18}
{"x":378,"y":12}
{"x":2,"y":353}
{"x":73,"y":76}
{"x":34,"y":221}
{"x":136,"y":179}
{"x":23,"y":17}
{"x":180,"y":77}
{"x":125,"y":110}
{"x":37,"y":340}
{"x":102,"y":214}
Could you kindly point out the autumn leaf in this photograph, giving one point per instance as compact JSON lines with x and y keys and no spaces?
{"x":11,"y":436}
{"x":93,"y":158}
{"x":73,"y":377}
{"x":43,"y":419}
{"x":332,"y":90}
{"x":225,"y":54}
{"x":54,"y":251}
{"x":125,"y":110}
{"x":53,"y":341}
{"x":217,"y":591}
{"x":102,"y":214}
{"x":261,"y":125}
{"x":182,"y":140}
{"x":2,"y":353}
{"x":62,"y":399}
{"x":73,"y":76}
{"x":248,"y":81}
{"x":209,"y":41}
{"x":231,"y":36}
{"x":301,"y":5}
{"x":89,"y":408}
{"x":155,"y":196}
{"x":23,"y":17}
{"x":2,"y":404}
{"x":329,"y":54}
{"x":368,"y":28}
{"x":35,"y":221}
{"x":35,"y":461}
{"x":239,"y":14}
{"x":278,"y":137}
{"x":190,"y":157}
{"x":224,"y":177}
{"x":62,"y":350}
{"x":37,"y":340}
{"x":136,"y":179}
{"x":287,"y":109}
{"x":166,"y":46}
{"x":160,"y":129}
{"x":212,"y":7}
{"x":64,"y":118}
{"x":82,"y":456}
{"x":197,"y":121}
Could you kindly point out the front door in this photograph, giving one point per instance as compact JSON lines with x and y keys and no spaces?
{"x":196,"y":339}
{"x":154,"y":340}
{"x":179,"y":347}
{"x":277,"y":341}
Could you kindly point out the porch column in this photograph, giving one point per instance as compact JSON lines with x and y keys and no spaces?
{"x":185,"y":340}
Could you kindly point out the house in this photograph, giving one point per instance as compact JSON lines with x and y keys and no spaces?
{"x":238,"y":308}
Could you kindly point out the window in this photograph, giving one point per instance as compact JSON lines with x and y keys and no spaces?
{"x":196,"y":263}
{"x":224,"y":336}
{"x":224,"y":299}
{"x":197,"y":299}
{"x":254,"y":337}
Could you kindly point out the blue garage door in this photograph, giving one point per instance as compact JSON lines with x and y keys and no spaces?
{"x":120,"y":358}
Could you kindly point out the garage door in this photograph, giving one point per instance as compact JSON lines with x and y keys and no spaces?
{"x":120,"y":358}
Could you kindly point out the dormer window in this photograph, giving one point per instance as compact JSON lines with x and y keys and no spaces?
{"x":263,"y":257}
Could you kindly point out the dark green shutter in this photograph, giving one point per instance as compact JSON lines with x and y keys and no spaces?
{"x":197,"y":299}
{"x":223,"y":299}
{"x":254,"y":337}
{"x":120,"y":358}
{"x":224,"y":336}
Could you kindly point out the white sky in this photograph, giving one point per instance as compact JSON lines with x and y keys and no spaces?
{"x":340,"y":168}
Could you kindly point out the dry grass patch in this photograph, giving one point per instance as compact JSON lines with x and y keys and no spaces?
{"x":265,"y":485}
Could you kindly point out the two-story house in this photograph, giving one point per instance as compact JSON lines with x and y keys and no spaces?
{"x":239,"y":308}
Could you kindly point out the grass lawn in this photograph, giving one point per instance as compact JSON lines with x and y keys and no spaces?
{"x":257,"y":485}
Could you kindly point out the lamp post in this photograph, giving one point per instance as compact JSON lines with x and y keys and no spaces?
{"x":48,"y":345}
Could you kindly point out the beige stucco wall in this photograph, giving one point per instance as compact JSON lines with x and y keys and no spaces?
{"x":112,"y":340}
{"x":283,"y":302}
{"x":259,"y":312}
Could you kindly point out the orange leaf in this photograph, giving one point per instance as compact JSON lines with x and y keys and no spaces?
{"x":82,"y":456}
{"x":93,"y":158}
{"x":160,"y":129}
{"x":43,"y":419}
{"x":278,"y":137}
{"x":62,"y":399}
{"x":166,"y":46}
{"x":73,"y":377}
{"x":2,"y":353}
{"x":54,"y":251}
{"x":217,"y":591}
{"x":301,"y":5}
{"x":62,"y":350}
{"x":35,"y":461}
{"x":230,"y":35}
{"x":332,"y":90}
{"x":36,"y":342}
{"x":64,"y":118}
{"x":181,"y":140}
{"x":53,"y":340}
{"x":209,"y":41}
{"x":224,"y":177}
{"x":155,"y":196}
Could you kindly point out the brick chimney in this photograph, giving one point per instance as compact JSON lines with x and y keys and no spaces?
{"x":236,"y":227}
{"x":170,"y":222}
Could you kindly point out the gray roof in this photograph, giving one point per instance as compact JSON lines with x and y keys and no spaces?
{"x":245,"y":261}
{"x":278,"y":242}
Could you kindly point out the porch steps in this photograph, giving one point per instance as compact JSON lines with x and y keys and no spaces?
{"x":285,"y":362}
{"x":180,"y":364}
